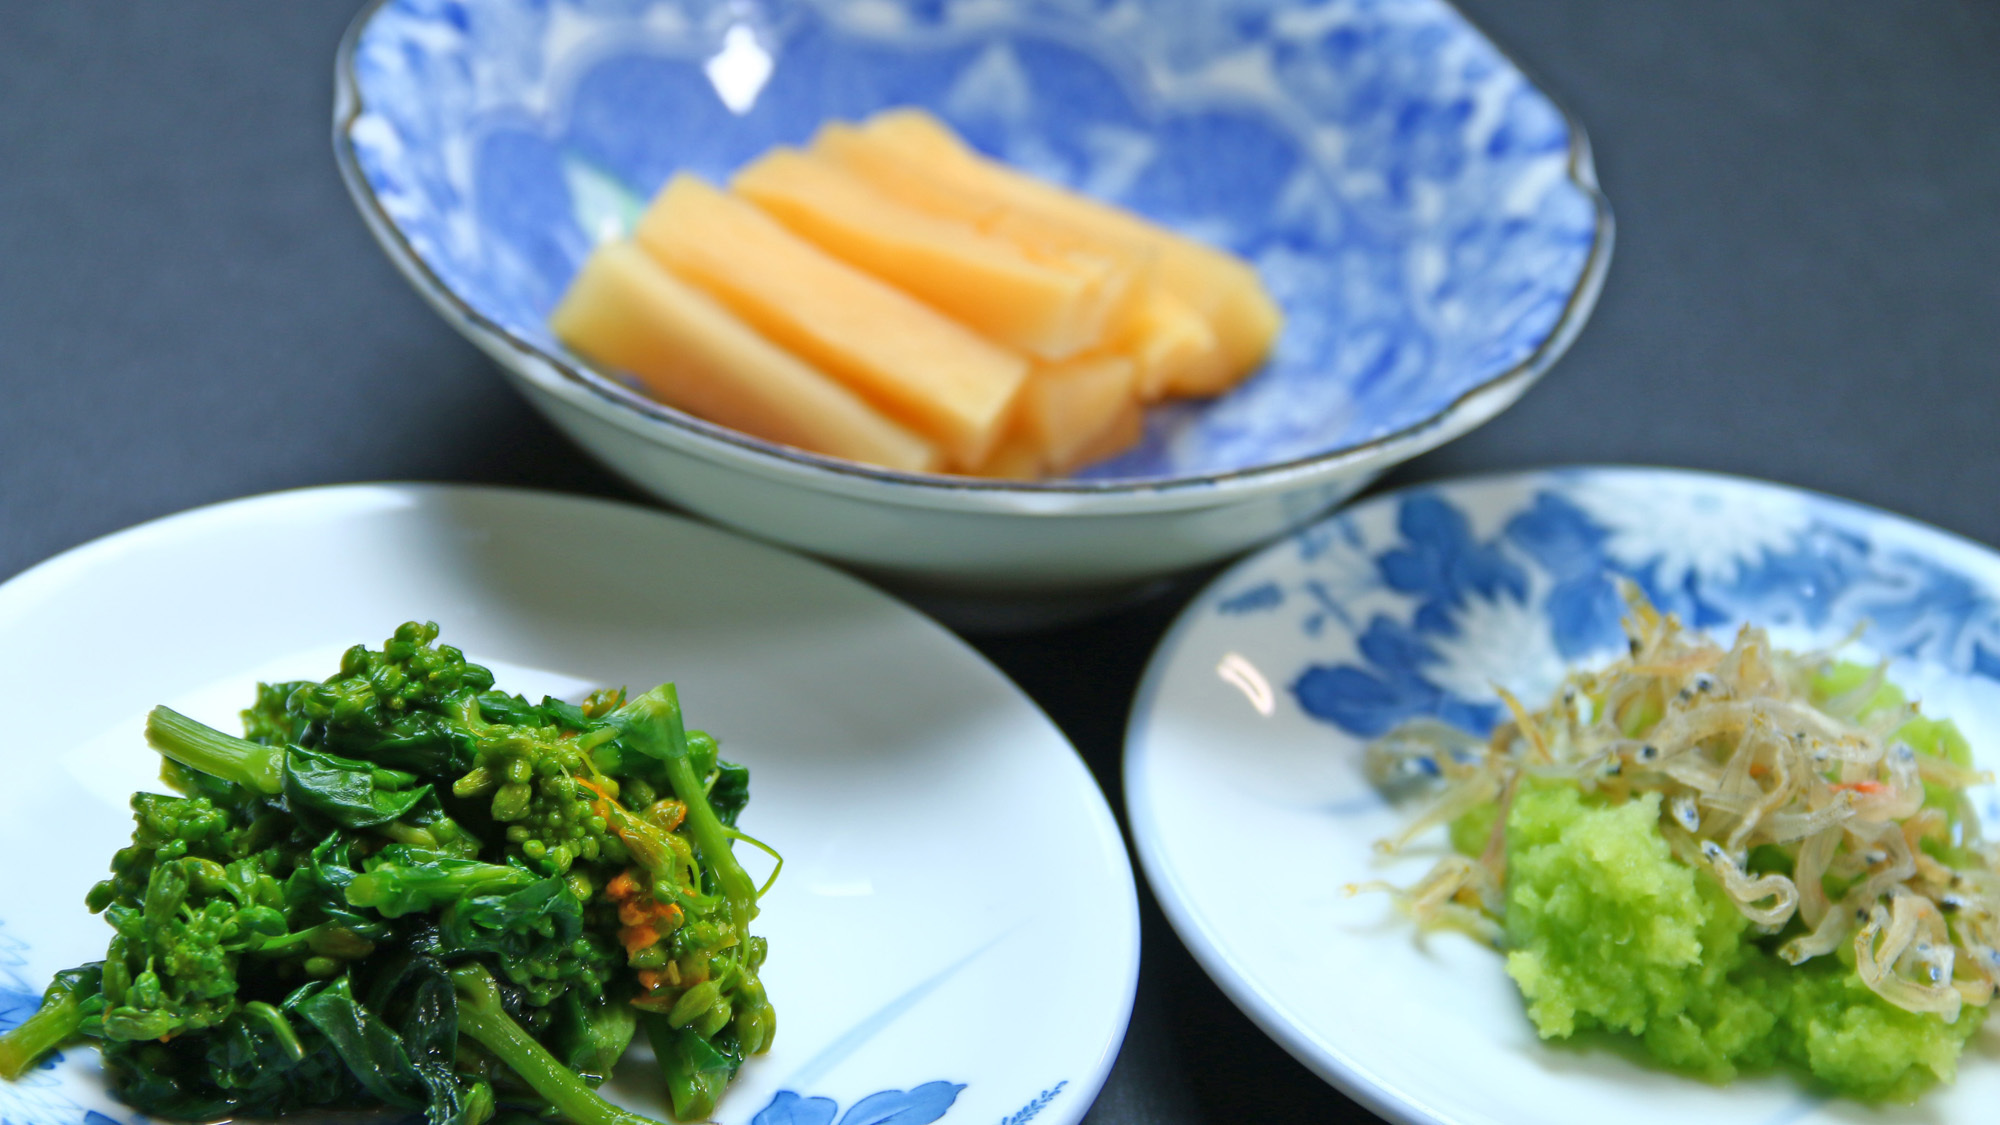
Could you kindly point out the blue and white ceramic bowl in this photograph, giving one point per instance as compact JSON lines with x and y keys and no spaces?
{"x":1255,"y":712}
{"x":1427,"y":217}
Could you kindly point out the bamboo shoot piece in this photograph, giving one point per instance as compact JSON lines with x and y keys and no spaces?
{"x":924,"y":370}
{"x":912,"y":155}
{"x":625,"y":311}
{"x":1067,"y":409}
{"x":1044,"y":301}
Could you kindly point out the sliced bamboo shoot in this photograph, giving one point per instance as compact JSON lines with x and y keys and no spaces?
{"x":1046,"y":302}
{"x":626,"y":311}
{"x":918,"y":366}
{"x":913,"y":155}
{"x":1066,"y":408}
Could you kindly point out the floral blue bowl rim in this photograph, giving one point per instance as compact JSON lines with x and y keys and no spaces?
{"x":1465,"y":406}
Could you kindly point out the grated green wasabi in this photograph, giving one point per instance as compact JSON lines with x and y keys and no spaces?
{"x":1605,"y":929}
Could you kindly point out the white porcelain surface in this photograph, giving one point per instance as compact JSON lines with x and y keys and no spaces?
{"x":956,"y":904}
{"x":1250,"y":810}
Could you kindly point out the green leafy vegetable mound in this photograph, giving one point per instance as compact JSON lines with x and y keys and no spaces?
{"x":405,"y":888}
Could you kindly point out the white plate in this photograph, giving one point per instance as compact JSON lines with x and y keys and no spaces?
{"x":1250,"y":810}
{"x":956,"y":904}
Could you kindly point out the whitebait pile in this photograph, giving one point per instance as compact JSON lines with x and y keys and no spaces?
{"x":1813,"y":810}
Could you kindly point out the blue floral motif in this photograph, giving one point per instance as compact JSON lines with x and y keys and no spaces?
{"x":1448,"y":612}
{"x":15,"y":1007}
{"x":1441,"y":563}
{"x":39,"y":1097}
{"x":1583,"y":604}
{"x":1422,"y":212}
{"x":1327,"y":609}
{"x":1929,"y":611}
{"x":1267,"y":595}
{"x":919,"y":1105}
{"x":1808,"y":579}
{"x":787,"y":1108}
{"x":18,"y":999}
{"x":1035,"y":1107}
{"x":1317,"y":539}
{"x":1392,"y":690}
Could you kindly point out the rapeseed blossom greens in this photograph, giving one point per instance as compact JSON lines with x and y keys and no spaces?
{"x":404,"y":888}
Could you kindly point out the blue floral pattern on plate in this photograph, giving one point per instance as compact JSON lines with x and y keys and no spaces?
{"x":919,"y":1105}
{"x":1035,"y":1106}
{"x":1426,"y":216}
{"x":1441,"y":592}
{"x":37,"y":1097}
{"x":18,"y":999}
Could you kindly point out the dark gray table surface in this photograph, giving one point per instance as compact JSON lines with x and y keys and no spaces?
{"x":1806,"y":289}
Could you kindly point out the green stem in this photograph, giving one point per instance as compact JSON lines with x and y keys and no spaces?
{"x":329,"y":938}
{"x":397,"y":889}
{"x":778,"y":861}
{"x":481,"y":1016}
{"x":202,"y":747}
{"x":58,"y":1019}
{"x":280,"y":1027}
{"x":654,"y":727}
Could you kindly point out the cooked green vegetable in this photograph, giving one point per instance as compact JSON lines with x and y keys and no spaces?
{"x":404,"y":888}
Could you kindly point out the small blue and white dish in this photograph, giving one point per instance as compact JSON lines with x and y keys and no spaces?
{"x":1256,"y":710}
{"x":1427,"y":217}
